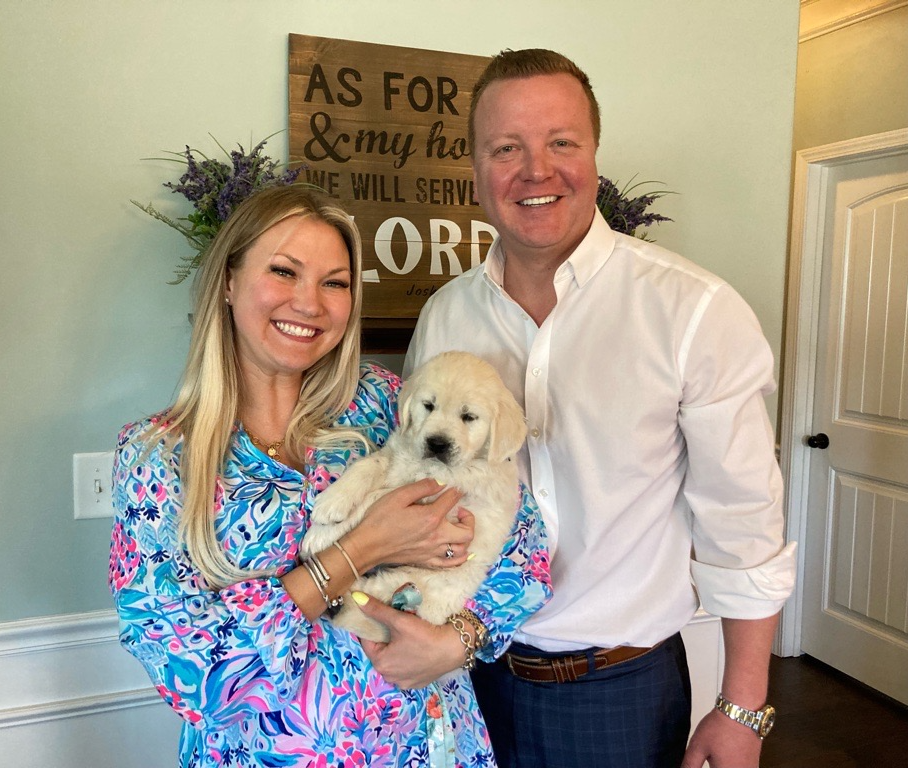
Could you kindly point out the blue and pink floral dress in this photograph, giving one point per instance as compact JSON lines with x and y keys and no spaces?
{"x":256,"y":683}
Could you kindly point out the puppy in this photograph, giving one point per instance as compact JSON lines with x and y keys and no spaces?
{"x":460,"y":425}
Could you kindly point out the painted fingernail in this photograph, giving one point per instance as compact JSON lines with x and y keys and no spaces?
{"x":360,"y":598}
{"x":471,"y":555}
{"x":439,"y":481}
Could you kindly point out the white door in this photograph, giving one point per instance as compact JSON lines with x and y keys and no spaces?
{"x":855,"y":600}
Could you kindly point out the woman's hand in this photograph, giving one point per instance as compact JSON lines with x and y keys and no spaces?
{"x":418,"y":652}
{"x":398,"y":529}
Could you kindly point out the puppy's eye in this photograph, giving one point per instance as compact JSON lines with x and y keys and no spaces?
{"x":428,"y":405}
{"x":467,"y":417}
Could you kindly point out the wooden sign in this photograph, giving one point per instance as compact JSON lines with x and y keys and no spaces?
{"x":384,"y":129}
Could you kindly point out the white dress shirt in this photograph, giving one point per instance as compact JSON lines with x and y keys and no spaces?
{"x":649,"y":451}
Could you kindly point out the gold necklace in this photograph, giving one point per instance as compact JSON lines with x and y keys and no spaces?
{"x":273,"y":450}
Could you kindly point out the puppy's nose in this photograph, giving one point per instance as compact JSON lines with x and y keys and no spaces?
{"x":438,"y":445}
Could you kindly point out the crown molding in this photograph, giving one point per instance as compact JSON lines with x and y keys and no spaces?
{"x":820,"y":17}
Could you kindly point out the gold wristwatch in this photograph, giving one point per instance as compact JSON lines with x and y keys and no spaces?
{"x":760,"y":722}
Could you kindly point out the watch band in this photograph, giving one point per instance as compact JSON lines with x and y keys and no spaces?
{"x":760,"y":721}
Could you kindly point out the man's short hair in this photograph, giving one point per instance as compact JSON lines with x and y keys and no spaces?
{"x":512,"y":65}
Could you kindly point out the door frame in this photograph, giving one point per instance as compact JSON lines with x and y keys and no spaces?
{"x":808,"y":228}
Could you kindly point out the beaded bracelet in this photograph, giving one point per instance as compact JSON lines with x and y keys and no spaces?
{"x":468,"y":650}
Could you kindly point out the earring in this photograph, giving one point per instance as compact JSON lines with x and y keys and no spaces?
{"x":227,"y":299}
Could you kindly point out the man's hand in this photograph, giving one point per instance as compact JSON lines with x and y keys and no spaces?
{"x":725,"y":743}
{"x":418,"y":653}
{"x":719,"y":739}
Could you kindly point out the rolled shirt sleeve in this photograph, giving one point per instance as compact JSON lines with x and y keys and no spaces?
{"x":733,"y":484}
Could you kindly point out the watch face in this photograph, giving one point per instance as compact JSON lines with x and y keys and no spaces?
{"x":769,"y":719}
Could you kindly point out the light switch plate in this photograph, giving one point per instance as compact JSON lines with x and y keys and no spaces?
{"x":92,"y":495}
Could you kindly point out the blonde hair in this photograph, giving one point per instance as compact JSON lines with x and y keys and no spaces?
{"x":208,"y":401}
{"x":529,"y":62}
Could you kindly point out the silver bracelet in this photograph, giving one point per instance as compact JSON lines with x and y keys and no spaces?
{"x":323,"y":574}
{"x":321,"y":577}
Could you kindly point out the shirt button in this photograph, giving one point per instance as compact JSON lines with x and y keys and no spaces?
{"x":537,"y":371}
{"x":543,"y":492}
{"x":534,"y":433}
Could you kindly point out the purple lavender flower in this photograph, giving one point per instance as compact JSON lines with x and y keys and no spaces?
{"x":215,"y":189}
{"x":627,"y":214}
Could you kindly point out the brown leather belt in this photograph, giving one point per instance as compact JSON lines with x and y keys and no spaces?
{"x":565,"y":669}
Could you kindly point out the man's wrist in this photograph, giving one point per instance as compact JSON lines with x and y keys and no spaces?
{"x":760,"y":721}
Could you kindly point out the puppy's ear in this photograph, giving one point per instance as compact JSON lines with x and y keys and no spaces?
{"x":403,"y":404}
{"x":405,"y":401}
{"x":508,"y":430}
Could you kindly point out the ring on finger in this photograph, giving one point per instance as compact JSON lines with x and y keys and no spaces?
{"x":449,"y":552}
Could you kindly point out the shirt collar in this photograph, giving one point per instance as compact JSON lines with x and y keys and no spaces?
{"x":592,"y":253}
{"x":493,"y":266}
{"x":586,"y":260}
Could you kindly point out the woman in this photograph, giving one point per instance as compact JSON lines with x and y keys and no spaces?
{"x":213,"y":497}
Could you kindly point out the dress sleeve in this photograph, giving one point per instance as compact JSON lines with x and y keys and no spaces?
{"x":740,"y":565}
{"x":216,"y":657}
{"x":374,"y":407}
{"x":519,"y":583}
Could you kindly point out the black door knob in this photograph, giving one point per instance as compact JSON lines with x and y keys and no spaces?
{"x":819,"y":440}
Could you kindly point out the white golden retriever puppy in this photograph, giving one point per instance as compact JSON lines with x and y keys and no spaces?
{"x":460,"y":425}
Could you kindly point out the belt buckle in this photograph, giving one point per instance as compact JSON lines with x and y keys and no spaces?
{"x":507,"y":657}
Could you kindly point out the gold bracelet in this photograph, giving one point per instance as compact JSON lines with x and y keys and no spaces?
{"x":469,"y":651}
{"x":347,"y":558}
{"x":481,"y":634}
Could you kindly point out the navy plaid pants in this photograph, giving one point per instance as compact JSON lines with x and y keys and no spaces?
{"x":635,"y":714}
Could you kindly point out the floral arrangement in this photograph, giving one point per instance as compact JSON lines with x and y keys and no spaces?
{"x":627,"y":214}
{"x":215,"y":188}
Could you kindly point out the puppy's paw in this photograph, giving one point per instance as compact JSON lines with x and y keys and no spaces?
{"x":331,"y":506}
{"x":319,"y":538}
{"x":355,"y":621}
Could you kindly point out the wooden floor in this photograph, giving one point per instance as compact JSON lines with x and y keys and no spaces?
{"x":827,"y":720}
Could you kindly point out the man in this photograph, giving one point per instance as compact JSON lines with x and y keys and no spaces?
{"x":649,"y":451}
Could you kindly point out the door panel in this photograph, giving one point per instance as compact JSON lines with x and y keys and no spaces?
{"x":856,"y":561}
{"x":875,"y":336}
{"x":869,"y":580}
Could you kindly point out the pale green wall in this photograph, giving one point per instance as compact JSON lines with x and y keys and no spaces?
{"x":853,"y":82}
{"x":698,"y":94}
